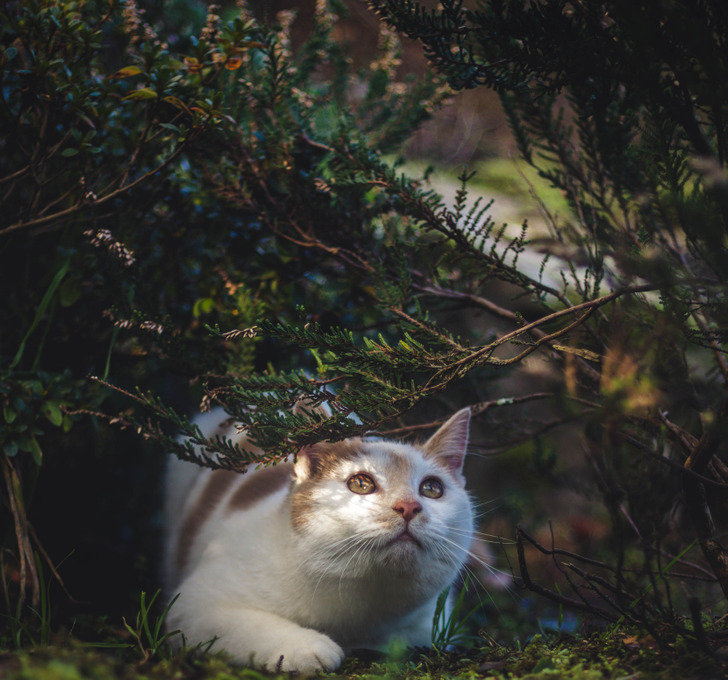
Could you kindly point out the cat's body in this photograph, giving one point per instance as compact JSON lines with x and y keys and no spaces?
{"x":288,"y":566}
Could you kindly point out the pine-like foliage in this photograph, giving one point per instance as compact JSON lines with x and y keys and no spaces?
{"x":227,"y":210}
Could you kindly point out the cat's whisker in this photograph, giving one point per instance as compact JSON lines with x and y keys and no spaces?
{"x":481,"y":502}
{"x":477,"y":558}
{"x":479,"y":587}
{"x":357,"y":551}
{"x":484,"y":537}
{"x":477,"y":517}
{"x":497,"y":574}
{"x":350,"y":544}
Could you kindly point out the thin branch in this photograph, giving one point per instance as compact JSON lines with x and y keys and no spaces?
{"x":62,"y":214}
{"x":588,"y":307}
{"x":579,"y":605}
{"x":475,"y":410}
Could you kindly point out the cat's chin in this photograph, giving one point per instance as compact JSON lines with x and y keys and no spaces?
{"x":403,"y":551}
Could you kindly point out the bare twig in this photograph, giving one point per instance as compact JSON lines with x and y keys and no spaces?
{"x":20,"y":521}
{"x":82,"y":204}
{"x":579,"y":604}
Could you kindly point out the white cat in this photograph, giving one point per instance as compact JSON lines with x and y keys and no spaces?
{"x":289,"y":566}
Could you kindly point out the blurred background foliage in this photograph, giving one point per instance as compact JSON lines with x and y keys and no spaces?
{"x":211,"y":204}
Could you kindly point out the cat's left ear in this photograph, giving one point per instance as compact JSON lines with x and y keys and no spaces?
{"x":449,"y":444}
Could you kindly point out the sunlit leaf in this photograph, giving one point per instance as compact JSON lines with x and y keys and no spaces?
{"x":126,"y":72}
{"x":177,"y":103}
{"x":203,"y":306}
{"x":140,"y":94}
{"x":52,"y":411}
{"x":193,"y":65}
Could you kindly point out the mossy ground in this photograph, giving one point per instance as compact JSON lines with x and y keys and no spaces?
{"x":616,"y":653}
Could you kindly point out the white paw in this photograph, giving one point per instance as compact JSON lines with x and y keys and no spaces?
{"x":306,"y":652}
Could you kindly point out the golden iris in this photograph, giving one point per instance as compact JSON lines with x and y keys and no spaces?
{"x":361,"y":484}
{"x":432,"y":488}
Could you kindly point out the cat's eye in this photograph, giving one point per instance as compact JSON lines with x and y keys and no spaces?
{"x":432,"y":488}
{"x":361,"y":484}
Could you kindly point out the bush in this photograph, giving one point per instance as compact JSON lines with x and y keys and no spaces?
{"x":228,"y":214}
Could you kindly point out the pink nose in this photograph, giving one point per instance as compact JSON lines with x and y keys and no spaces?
{"x":407,"y":508}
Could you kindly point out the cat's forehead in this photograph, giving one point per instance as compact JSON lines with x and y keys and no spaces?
{"x":386,"y":458}
{"x":383,"y":459}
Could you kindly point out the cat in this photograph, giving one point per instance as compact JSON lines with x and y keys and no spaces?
{"x":288,"y":566}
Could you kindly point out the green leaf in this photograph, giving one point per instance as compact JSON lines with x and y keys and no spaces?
{"x":177,"y":103}
{"x":69,"y":152}
{"x":41,"y":309}
{"x":11,"y":448}
{"x":9,"y":414}
{"x":35,"y":387}
{"x":203,"y":306}
{"x":69,"y":292}
{"x":52,"y":411}
{"x":35,"y":450}
{"x":140,"y":94}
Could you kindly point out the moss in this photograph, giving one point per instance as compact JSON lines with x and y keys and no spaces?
{"x":614,"y":653}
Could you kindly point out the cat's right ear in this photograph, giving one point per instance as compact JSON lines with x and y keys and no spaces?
{"x":310,"y":462}
{"x":324,"y":459}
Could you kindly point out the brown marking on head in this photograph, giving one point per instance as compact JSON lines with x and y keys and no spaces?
{"x":398,"y":463}
{"x":217,"y":484}
{"x":314,"y":463}
{"x":321,"y":460}
{"x":260,"y":484}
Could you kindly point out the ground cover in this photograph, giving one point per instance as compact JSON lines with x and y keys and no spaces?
{"x":614,"y":653}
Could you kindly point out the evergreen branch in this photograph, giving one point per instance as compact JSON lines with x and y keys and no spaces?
{"x":433,"y":332}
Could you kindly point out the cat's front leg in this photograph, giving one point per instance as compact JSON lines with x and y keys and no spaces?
{"x":263,"y":640}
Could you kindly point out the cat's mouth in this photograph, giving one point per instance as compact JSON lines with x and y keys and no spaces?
{"x":405,"y":538}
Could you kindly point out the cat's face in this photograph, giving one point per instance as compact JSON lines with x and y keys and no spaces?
{"x":385,"y":506}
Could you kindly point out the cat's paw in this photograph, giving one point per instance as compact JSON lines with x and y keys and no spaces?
{"x":306,"y":652}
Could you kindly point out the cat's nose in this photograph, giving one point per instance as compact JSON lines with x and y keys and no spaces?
{"x":407,"y":508}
